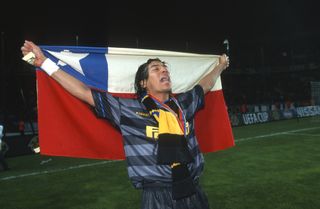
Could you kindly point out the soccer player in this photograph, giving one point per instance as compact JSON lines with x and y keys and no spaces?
{"x":157,"y":129}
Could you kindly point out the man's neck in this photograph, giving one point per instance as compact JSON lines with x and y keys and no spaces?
{"x":162,"y":97}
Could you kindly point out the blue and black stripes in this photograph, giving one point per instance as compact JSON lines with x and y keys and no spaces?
{"x":132,"y":119}
{"x":191,"y":101}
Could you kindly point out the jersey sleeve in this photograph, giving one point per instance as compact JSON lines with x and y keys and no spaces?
{"x":107,"y":106}
{"x":191,"y":101}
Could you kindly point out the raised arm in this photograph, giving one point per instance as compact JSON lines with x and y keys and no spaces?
{"x":210,"y":79}
{"x":71,"y":84}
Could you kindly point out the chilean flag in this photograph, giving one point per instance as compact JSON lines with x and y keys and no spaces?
{"x":68,"y":126}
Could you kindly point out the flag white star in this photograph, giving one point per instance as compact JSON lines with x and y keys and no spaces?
{"x":72,"y":59}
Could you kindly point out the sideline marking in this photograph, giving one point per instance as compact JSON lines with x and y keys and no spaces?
{"x":276,"y":134}
{"x":298,"y":134}
{"x":57,"y":170}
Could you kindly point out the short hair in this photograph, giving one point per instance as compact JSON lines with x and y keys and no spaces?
{"x":143,"y":74}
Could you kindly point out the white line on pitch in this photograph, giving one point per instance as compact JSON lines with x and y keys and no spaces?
{"x":57,"y":170}
{"x":276,"y":134}
{"x":299,"y":134}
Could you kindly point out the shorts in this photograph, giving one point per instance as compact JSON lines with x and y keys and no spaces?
{"x":161,"y":198}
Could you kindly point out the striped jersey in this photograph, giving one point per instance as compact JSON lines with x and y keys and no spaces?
{"x":140,"y":131}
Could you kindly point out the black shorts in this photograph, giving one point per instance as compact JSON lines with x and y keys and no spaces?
{"x":161,"y":198}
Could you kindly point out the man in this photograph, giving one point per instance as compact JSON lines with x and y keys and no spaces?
{"x":157,"y":128}
{"x":3,"y":163}
{"x":21,"y":127}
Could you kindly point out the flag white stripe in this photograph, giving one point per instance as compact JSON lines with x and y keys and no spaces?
{"x":150,"y":52}
{"x":186,"y":69}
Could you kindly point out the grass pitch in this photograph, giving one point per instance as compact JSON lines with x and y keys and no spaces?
{"x":273,"y":166}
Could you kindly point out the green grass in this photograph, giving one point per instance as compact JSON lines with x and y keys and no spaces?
{"x":281,"y":171}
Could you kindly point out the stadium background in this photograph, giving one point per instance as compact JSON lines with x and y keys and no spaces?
{"x":275,"y":55}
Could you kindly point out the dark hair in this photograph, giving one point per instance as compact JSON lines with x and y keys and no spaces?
{"x":143,"y":74}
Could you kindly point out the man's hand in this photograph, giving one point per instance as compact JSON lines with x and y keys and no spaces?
{"x":210,"y":79}
{"x":29,"y":46}
{"x":70,"y":83}
{"x":224,"y":61}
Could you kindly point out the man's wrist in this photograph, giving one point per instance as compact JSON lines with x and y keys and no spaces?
{"x":49,"y":66}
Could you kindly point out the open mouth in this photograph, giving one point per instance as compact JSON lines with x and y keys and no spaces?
{"x":165,"y":79}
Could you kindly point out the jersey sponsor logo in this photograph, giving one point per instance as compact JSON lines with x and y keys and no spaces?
{"x":153,"y":131}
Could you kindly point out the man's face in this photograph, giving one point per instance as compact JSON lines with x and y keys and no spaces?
{"x":159,"y":78}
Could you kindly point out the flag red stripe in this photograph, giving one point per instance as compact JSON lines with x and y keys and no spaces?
{"x":68,"y":126}
{"x":213,"y":127}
